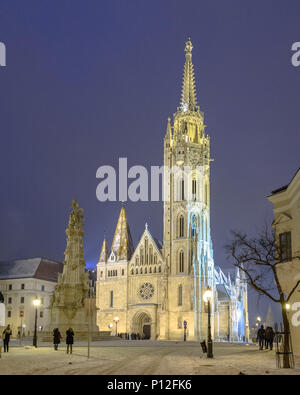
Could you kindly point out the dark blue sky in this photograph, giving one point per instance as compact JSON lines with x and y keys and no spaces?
{"x":88,"y":82}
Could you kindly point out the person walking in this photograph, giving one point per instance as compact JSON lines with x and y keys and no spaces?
{"x":69,"y":340}
{"x":261,"y":334}
{"x":56,"y":338}
{"x":269,"y":337}
{"x":6,"y":334}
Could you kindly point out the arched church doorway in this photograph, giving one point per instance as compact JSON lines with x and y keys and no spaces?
{"x":141,"y":325}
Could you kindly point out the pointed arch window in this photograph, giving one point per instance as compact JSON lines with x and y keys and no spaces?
{"x":181,"y":262}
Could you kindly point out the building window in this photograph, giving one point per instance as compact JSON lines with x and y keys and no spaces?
{"x":179,"y":323}
{"x":43,"y":288}
{"x":41,"y":314}
{"x":111,"y":298}
{"x":9,"y":313}
{"x":181,"y":226}
{"x":9,"y":300}
{"x":181,"y":262}
{"x":101,"y":274}
{"x":10,"y":287}
{"x":22,"y":299}
{"x":22,"y":286}
{"x":180,"y":295}
{"x":194,"y":188}
{"x":182,"y":189}
{"x":285,"y":244}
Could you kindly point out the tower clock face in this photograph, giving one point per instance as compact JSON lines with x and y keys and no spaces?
{"x":146,"y":291}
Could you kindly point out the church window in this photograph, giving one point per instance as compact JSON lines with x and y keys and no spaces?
{"x":154,"y":270}
{"x":181,"y":262}
{"x":155,"y":259}
{"x":181,"y":226}
{"x":137,"y":271}
{"x":111,"y":298}
{"x":145,"y":270}
{"x":132,"y":271}
{"x":101,"y":274}
{"x":151,"y":255}
{"x":182,"y":189}
{"x":122,"y":272}
{"x":180,"y":295}
{"x":194,"y":188}
{"x":141,"y":271}
{"x":150,"y":269}
{"x":159,"y":269}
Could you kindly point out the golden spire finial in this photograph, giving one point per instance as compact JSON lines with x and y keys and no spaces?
{"x":188,"y":46}
{"x":188,"y":94}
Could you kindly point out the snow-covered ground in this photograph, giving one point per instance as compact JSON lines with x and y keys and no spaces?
{"x":140,"y":357}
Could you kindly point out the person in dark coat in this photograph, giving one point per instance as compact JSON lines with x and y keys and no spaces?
{"x":56,"y":338}
{"x":6,"y":334}
{"x":269,"y":337}
{"x":261,"y":334}
{"x":69,"y":340}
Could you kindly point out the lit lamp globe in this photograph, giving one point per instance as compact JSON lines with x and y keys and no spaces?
{"x":110,"y":326}
{"x":207,"y":295}
{"x":287,"y":306}
{"x":258,"y":319}
{"x":116,"y":319}
{"x":36,"y":302}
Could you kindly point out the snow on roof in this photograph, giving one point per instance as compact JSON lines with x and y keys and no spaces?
{"x":41,"y":268}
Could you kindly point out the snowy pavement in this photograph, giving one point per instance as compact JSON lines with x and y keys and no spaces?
{"x":139,"y":358}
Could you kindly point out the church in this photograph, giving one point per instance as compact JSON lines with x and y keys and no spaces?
{"x":156,"y":289}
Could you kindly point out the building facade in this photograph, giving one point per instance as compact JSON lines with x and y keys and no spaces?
{"x":156,"y":287}
{"x":286,"y":203}
{"x":21,"y":281}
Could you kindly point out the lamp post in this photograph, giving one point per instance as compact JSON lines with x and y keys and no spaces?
{"x":36,"y":303}
{"x":116,"y":319}
{"x":207,"y":298}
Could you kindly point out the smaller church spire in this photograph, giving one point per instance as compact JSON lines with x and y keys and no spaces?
{"x":188,"y":94}
{"x":169,"y":130}
{"x":104,"y":252}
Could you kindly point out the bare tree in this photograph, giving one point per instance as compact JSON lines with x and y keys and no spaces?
{"x":258,"y":257}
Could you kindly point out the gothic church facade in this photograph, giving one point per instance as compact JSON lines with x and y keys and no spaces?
{"x":154,"y":288}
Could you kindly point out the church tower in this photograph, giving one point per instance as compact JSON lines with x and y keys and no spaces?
{"x":187,"y":240}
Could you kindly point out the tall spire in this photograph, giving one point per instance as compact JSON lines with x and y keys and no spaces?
{"x":122,"y":244}
{"x":188,"y":94}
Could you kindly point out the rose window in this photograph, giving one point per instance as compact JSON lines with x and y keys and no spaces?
{"x":146,"y":291}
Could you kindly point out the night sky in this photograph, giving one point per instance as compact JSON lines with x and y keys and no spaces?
{"x":87,"y":82}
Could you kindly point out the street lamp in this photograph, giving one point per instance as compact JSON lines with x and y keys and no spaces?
{"x":116,"y":319}
{"x":36,"y":303}
{"x":207,"y":298}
